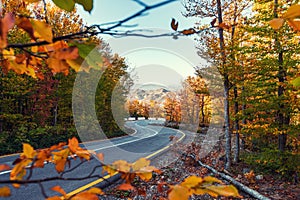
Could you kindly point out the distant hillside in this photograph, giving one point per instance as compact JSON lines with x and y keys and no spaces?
{"x":147,"y":94}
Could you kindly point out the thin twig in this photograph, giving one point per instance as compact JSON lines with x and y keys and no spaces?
{"x":43,"y":190}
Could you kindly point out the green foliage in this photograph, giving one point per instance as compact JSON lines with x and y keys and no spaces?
{"x":274,"y":162}
{"x":69,"y":5}
{"x":38,"y":137}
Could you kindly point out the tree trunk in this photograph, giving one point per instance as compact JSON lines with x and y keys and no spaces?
{"x":227,"y":124}
{"x":226,"y":89}
{"x":281,"y":118}
{"x":236,"y":127}
{"x":244,"y":117}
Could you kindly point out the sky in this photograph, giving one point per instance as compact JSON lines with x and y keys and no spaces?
{"x":173,"y":56}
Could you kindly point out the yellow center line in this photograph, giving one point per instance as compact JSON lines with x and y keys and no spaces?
{"x":91,"y":184}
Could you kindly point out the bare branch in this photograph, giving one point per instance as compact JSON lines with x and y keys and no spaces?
{"x":141,"y":3}
{"x":137,"y":14}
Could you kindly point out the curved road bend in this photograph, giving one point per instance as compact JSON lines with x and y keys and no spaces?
{"x":147,"y":140}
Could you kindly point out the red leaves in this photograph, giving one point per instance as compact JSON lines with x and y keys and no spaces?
{"x":125,"y":186}
{"x":188,"y":31}
{"x":4,"y":167}
{"x":25,"y":24}
{"x":6,"y":23}
{"x":174,"y":24}
{"x":212,"y":23}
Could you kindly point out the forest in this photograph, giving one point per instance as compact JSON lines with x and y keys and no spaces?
{"x":253,"y":45}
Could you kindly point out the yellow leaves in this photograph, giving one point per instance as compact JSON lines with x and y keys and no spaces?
{"x":179,"y":192}
{"x":276,"y":23}
{"x":121,"y":165}
{"x":142,"y":162}
{"x":18,"y":172}
{"x":42,"y":30}
{"x":191,"y":181}
{"x":129,"y":171}
{"x":6,"y":23}
{"x":4,"y":191}
{"x":28,"y":151}
{"x":223,"y":190}
{"x":290,"y":15}
{"x":199,"y":186}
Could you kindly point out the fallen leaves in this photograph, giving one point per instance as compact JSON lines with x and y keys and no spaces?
{"x":199,"y":186}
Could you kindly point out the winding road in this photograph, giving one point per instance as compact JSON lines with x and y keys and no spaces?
{"x":147,"y":141}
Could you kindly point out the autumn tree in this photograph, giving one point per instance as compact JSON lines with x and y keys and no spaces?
{"x":195,"y":100}
{"x":215,"y":44}
{"x":172,"y":108}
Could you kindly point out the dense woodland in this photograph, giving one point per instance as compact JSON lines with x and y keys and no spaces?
{"x":254,"y":45}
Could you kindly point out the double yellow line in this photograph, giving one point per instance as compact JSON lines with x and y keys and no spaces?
{"x":78,"y":190}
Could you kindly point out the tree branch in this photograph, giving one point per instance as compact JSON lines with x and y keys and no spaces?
{"x":111,"y":30}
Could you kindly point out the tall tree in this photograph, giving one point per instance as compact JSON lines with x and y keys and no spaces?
{"x":227,"y":16}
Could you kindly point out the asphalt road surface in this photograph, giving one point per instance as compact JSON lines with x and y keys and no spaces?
{"x":147,"y":141}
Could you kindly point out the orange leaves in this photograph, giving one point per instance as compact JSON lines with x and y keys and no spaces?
{"x":197,"y":185}
{"x":179,"y":192}
{"x":295,"y":24}
{"x":276,"y":23}
{"x":224,"y":26}
{"x":36,"y":29}
{"x":60,"y":159}
{"x":18,"y":172}
{"x":4,"y":167}
{"x":250,"y":176}
{"x":56,"y":154}
{"x":290,"y":15}
{"x":6,"y":23}
{"x":75,"y":149}
{"x":125,"y":186}
{"x":141,"y":168}
{"x":59,"y":190}
{"x":90,"y":194}
{"x":292,"y":12}
{"x":5,"y":191}
{"x":73,"y":144}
